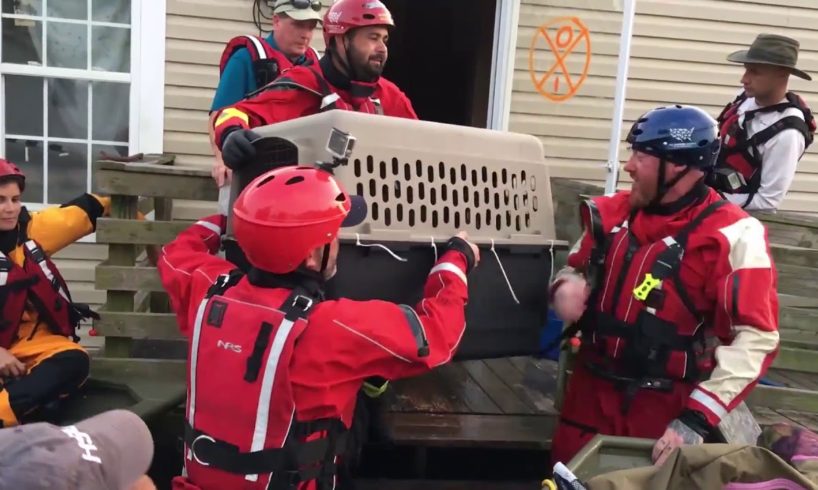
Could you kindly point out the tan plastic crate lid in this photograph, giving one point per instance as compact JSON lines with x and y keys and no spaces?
{"x":425,"y":180}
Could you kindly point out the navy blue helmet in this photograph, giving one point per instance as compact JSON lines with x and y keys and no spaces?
{"x":683,"y":135}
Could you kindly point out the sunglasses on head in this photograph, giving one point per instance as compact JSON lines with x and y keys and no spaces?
{"x":304,"y":4}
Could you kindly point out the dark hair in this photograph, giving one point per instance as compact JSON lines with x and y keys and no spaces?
{"x":21,"y":182}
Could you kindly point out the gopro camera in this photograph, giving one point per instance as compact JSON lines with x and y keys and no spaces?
{"x":340,"y":144}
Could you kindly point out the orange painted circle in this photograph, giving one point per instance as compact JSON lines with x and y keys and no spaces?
{"x":558,"y":83}
{"x":561,"y":33}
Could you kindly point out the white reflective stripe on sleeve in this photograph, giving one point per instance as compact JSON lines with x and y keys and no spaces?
{"x":32,"y":247}
{"x":709,"y":403}
{"x":267,"y":382}
{"x":194,"y":360}
{"x":449,"y":267}
{"x":262,"y":54}
{"x":210,"y":226}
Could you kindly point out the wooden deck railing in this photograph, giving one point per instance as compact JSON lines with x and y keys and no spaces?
{"x":136,"y":308}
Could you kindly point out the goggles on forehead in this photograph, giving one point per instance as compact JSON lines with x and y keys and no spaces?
{"x":304,"y":4}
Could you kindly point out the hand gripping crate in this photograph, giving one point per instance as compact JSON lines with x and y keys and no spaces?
{"x":423,"y":182}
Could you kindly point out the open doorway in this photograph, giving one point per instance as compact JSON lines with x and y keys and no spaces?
{"x":441,"y":56}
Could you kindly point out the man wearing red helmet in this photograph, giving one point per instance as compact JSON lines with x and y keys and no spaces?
{"x":347,"y":77}
{"x":40,"y":361}
{"x":273,"y":368}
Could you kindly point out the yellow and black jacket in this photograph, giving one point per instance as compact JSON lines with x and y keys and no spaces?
{"x":32,"y":292}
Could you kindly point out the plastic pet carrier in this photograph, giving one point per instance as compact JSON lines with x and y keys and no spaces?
{"x":423,"y":182}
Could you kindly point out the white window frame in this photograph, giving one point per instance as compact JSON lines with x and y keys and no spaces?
{"x":147,"y":79}
{"x":506,"y":21}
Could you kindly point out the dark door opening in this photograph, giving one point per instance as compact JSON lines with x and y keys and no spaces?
{"x":440,"y":55}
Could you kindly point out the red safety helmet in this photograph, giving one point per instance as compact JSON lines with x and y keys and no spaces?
{"x":345,"y":15}
{"x":284,"y":214}
{"x":8,"y":169}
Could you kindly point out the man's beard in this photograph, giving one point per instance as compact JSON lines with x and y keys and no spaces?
{"x":641,"y":196}
{"x":363,"y":69}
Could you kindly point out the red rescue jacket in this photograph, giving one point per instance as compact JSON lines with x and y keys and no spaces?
{"x":305,"y":90}
{"x":268,"y":63}
{"x":273,"y":372}
{"x":669,"y":290}
{"x":739,"y":153}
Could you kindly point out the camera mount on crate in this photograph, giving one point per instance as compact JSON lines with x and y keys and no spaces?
{"x":339,"y":146}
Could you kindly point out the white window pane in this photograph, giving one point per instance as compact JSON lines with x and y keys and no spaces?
{"x":118,"y":11}
{"x":68,"y":9}
{"x":28,"y":155}
{"x":24,"y":105}
{"x":101,"y":152}
{"x":111,"y":49}
{"x":23,"y":7}
{"x":67,"y":108}
{"x":67,"y":46}
{"x":22,"y":41}
{"x":111,"y":102}
{"x":67,"y":171}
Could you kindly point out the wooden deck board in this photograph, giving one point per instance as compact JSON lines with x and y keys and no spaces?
{"x":447,"y":389}
{"x":510,"y":403}
{"x":766,"y":416}
{"x":794,"y":379}
{"x":524,"y":386}
{"x":465,"y":430}
{"x":486,"y":403}
{"x":505,"y":398}
{"x":808,"y":420}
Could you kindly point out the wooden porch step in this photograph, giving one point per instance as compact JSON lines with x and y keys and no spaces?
{"x":794,"y":256}
{"x":467,"y":430}
{"x":791,"y":301}
{"x":797,"y":281}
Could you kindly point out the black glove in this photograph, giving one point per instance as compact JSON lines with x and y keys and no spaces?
{"x":462,"y":246}
{"x":238,"y":148}
{"x":696,"y":421}
{"x":80,"y":311}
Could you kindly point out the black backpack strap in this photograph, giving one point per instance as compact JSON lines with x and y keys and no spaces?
{"x":685,"y":232}
{"x":788,"y":122}
{"x":328,"y":97}
{"x":283,"y":83}
{"x":667,"y":265}
{"x":297,"y":306}
{"x":681,"y":239}
{"x":224,"y":282}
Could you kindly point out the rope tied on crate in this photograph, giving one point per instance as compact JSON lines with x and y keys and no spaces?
{"x":378,"y":245}
{"x":551,"y":253}
{"x":503,"y":270}
{"x":434,"y":247}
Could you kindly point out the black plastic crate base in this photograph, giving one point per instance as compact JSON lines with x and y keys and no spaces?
{"x":496,"y":326}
